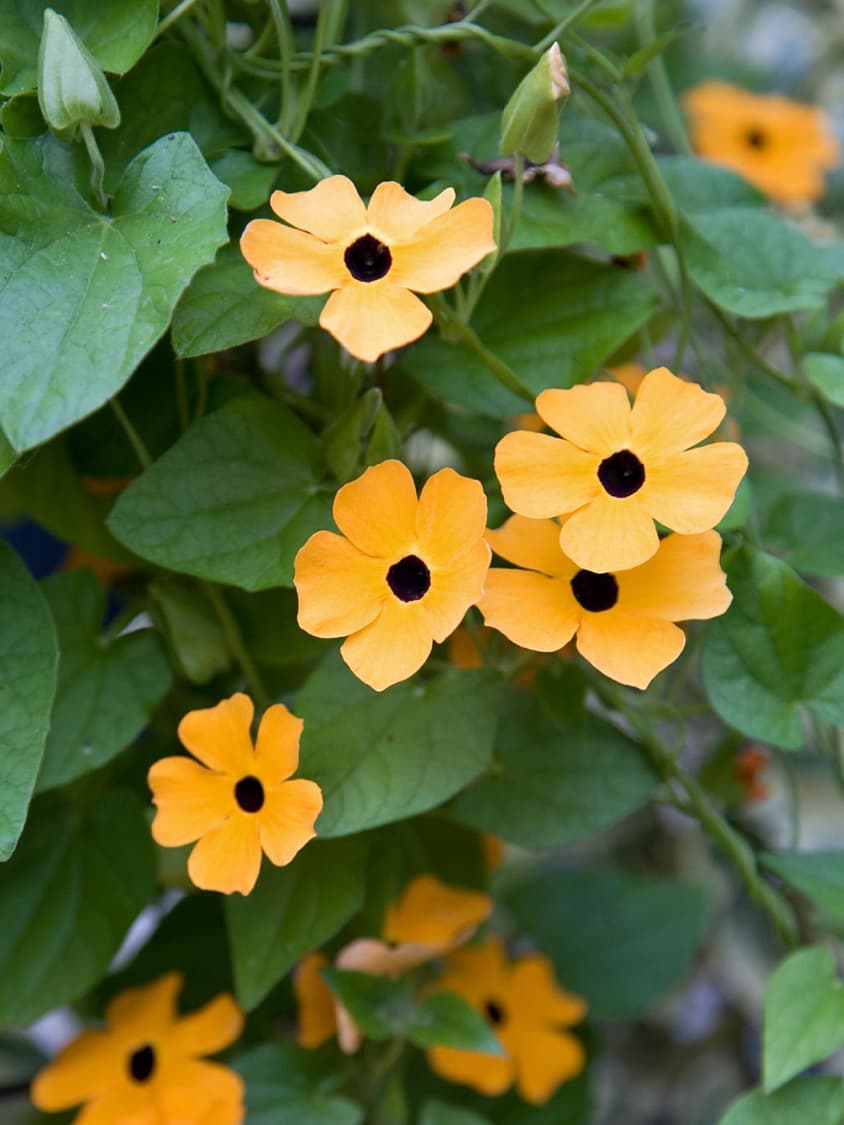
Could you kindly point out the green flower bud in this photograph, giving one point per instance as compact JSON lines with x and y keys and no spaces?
{"x":72,"y":89}
{"x":531,"y":118}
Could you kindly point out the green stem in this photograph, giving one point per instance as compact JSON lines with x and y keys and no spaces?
{"x":135,"y":439}
{"x":97,"y":164}
{"x":306,"y":96}
{"x":450,"y":323}
{"x":234,"y":639}
{"x":820,"y":404}
{"x":284,"y":35}
{"x":663,"y":92}
{"x":172,"y":17}
{"x":559,"y":29}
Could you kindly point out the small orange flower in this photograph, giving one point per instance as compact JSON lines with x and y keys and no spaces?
{"x":528,"y":1012}
{"x":782,"y":147}
{"x":749,"y":769}
{"x":624,"y":621}
{"x":618,"y":469}
{"x":370,"y":258}
{"x":402,"y":574}
{"x":145,"y":1067}
{"x":240,"y":805}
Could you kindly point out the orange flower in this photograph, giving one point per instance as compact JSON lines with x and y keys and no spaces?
{"x":370,"y":258}
{"x":780,"y":146}
{"x":749,"y":769}
{"x":527,"y":1011}
{"x":145,"y":1066}
{"x":402,"y":574}
{"x":242,"y":804}
{"x":315,"y":1001}
{"x":619,"y":469}
{"x":624,"y":621}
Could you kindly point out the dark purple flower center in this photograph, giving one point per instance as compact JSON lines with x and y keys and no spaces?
{"x":756,"y":138}
{"x":494,"y":1012}
{"x":595,"y":592}
{"x":142,"y":1063}
{"x":621,"y":473}
{"x":367,"y":259}
{"x":409,"y":579}
{"x":249,"y":794}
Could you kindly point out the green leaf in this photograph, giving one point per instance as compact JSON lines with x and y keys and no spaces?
{"x":67,"y":898}
{"x":385,"y":757}
{"x":248,"y":181}
{"x":554,"y":782}
{"x":571,"y":315}
{"x":224,"y":306}
{"x":818,"y":875}
{"x":638,"y":62}
{"x":28,"y":668}
{"x":108,"y":686}
{"x":804,"y":1015}
{"x":289,"y":1086}
{"x":292,"y":911}
{"x":71,"y":86}
{"x":192,"y":628}
{"x":754,"y":264}
{"x":74,"y":337}
{"x":778,"y":650}
{"x":445,"y":1019}
{"x":619,"y":940}
{"x":827,"y":374}
{"x":808,"y":1101}
{"x":381,"y":1008}
{"x":806,"y":529}
{"x":439,"y":1113}
{"x":698,"y":185}
{"x":116,"y":33}
{"x":232,"y":501}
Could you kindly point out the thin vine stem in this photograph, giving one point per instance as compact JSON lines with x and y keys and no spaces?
{"x":234,"y":639}
{"x":452,"y":324}
{"x":284,"y":37}
{"x":135,"y":440}
{"x":564,"y":24}
{"x":660,"y":84}
{"x":174,"y":16}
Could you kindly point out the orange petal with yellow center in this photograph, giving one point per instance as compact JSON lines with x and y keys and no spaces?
{"x":454,"y":589}
{"x":277,"y":745}
{"x":290,"y":261}
{"x":84,"y":1069}
{"x":595,"y":418}
{"x":542,"y":476}
{"x":690,"y":492}
{"x":190,"y":799}
{"x":228,"y":858}
{"x":488,"y":1074}
{"x":682,"y":582}
{"x":333,"y":210}
{"x":286,"y":821}
{"x":377,"y":512}
{"x":317,"y":1022}
{"x":450,"y":518}
{"x":532,"y":610}
{"x":146,"y":1011}
{"x":445,"y":249}
{"x":539,"y":998}
{"x":628,"y":648}
{"x":546,"y":1059}
{"x":220,"y":736}
{"x":533,"y":544}
{"x":670,"y":414}
{"x":371,"y":318}
{"x":610,"y":534}
{"x":393,"y":647}
{"x":206,"y":1031}
{"x":191,"y":1089}
{"x":340,"y":589}
{"x":435,"y":913}
{"x":397,"y":216}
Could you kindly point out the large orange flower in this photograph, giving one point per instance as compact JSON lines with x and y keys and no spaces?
{"x":624,"y":620}
{"x":371,"y":257}
{"x":780,"y":146}
{"x":145,"y":1066}
{"x":240,"y":805}
{"x":402,"y":574}
{"x":618,"y":469}
{"x":528,"y":1012}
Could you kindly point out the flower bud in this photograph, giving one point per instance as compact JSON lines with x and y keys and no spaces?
{"x":72,"y":89}
{"x":531,"y":118}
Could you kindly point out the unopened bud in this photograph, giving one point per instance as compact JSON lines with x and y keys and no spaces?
{"x":72,"y":89}
{"x":531,"y":118}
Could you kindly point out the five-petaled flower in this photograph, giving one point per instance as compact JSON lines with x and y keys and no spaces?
{"x":623,"y":620}
{"x":618,"y":469}
{"x":240,"y":805}
{"x":402,"y":574}
{"x":369,"y":258}
{"x":782,"y":147}
{"x":145,"y":1066}
{"x":528,"y":1012}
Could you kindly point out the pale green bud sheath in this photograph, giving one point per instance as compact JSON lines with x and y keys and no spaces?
{"x":72,"y":89}
{"x":531,"y":118}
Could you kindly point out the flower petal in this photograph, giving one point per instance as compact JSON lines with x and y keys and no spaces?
{"x":629,"y":648}
{"x":146,"y":1011}
{"x":190,"y":1089}
{"x":190,"y":799}
{"x":690,"y":492}
{"x":539,"y":998}
{"x":377,"y":512}
{"x":84,"y":1069}
{"x":454,"y":589}
{"x":610,"y":534}
{"x":451,"y":516}
{"x":370,"y":318}
{"x":220,"y":736}
{"x":397,"y":216}
{"x":332,"y":210}
{"x":434,"y":913}
{"x":277,"y":745}
{"x":532,"y":610}
{"x":546,"y":1059}
{"x":488,"y":1074}
{"x":445,"y":249}
{"x":290,"y":261}
{"x":670,"y":414}
{"x":393,"y":647}
{"x":128,"y":1103}
{"x":542,"y":476}
{"x":206,"y":1031}
{"x":340,"y":589}
{"x":316,"y":1019}
{"x":534,"y":544}
{"x":595,"y":418}
{"x":228,"y":858}
{"x":286,"y":822}
{"x":682,"y":582}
